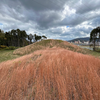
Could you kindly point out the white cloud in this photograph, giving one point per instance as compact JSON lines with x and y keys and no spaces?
{"x":57,"y":19}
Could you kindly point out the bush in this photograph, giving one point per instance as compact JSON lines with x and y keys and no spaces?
{"x":11,"y":48}
{"x":2,"y":46}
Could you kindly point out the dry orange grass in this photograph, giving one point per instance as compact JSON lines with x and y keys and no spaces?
{"x":52,"y":74}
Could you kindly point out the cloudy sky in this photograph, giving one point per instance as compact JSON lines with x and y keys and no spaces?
{"x":56,"y":19}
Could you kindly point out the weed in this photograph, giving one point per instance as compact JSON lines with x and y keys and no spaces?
{"x":40,"y":54}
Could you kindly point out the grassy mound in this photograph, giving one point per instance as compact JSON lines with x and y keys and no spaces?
{"x":51,"y":74}
{"x":48,"y":44}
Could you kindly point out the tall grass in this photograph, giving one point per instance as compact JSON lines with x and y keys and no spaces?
{"x":52,"y":74}
{"x":50,"y":43}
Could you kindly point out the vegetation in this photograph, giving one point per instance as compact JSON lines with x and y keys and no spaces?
{"x":95,"y":36}
{"x":94,"y":53}
{"x":51,"y":74}
{"x":2,"y":37}
{"x":51,"y":70}
{"x":17,"y":38}
{"x":7,"y":55}
{"x":49,"y":43}
{"x":10,"y":48}
{"x":7,"y":52}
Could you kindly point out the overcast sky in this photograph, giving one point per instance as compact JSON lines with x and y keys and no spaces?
{"x":56,"y":19}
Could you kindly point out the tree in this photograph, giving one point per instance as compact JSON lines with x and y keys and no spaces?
{"x":44,"y":37}
{"x":13,"y":37}
{"x":95,"y":36}
{"x":23,"y":37}
{"x":37,"y":37}
{"x":8,"y":38}
{"x":30,"y":37}
{"x":2,"y":37}
{"x":18,"y":36}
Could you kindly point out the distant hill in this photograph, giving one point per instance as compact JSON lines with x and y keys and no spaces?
{"x":81,"y":39}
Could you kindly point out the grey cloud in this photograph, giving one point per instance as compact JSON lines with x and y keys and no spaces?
{"x":42,"y":5}
{"x":95,"y":22}
{"x":47,"y":17}
{"x":87,"y":6}
{"x":77,"y":19}
{"x":34,"y":11}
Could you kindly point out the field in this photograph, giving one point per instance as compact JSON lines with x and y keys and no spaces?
{"x":42,"y":45}
{"x":53,"y":73}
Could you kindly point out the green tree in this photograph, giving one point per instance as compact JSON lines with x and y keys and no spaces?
{"x":8,"y":38}
{"x":18,"y":36}
{"x":44,"y":37}
{"x":2,"y":37}
{"x":23,"y":37}
{"x":13,"y":37}
{"x":95,"y":36}
{"x":37,"y":37}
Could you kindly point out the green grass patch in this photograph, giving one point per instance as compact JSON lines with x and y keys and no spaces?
{"x":7,"y":55}
{"x":11,"y":48}
{"x":47,"y":42}
{"x":91,"y":52}
{"x":43,"y":43}
{"x":94,"y":53}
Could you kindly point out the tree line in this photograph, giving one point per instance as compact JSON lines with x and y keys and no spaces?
{"x":18,"y":38}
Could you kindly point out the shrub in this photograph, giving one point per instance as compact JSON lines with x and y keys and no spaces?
{"x":2,"y":46}
{"x":10,"y":48}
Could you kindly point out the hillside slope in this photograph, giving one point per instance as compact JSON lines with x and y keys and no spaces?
{"x":51,"y":74}
{"x":50,"y":43}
